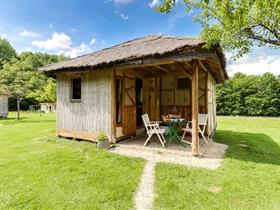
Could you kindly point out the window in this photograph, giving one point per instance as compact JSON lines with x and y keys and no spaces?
{"x":76,"y":94}
{"x":119,"y":90}
{"x":183,"y":84}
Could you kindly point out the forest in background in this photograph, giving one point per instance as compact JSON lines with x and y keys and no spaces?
{"x":21,"y":78}
{"x":253,"y":95}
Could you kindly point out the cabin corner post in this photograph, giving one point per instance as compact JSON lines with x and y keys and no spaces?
{"x":113,"y":94}
{"x":195,"y":137}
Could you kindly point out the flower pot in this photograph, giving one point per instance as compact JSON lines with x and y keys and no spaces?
{"x":103,"y":144}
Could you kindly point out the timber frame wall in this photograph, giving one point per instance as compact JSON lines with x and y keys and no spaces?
{"x":97,"y":109}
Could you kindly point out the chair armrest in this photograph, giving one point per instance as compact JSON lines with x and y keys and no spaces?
{"x":153,"y":125}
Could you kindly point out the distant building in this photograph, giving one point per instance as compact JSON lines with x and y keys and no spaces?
{"x":3,"y":103}
{"x":48,"y":107}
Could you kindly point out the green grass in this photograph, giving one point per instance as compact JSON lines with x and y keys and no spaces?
{"x":249,"y":177}
{"x":40,"y":171}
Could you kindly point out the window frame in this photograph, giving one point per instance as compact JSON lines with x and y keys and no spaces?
{"x":71,"y":90}
{"x":122,"y":100}
{"x":188,"y":85}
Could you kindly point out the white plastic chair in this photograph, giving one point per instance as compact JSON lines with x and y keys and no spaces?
{"x":153,"y":128}
{"x":202,"y":122}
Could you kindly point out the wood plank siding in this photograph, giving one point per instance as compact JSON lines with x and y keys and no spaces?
{"x":3,"y":105}
{"x":211,"y":105}
{"x":93,"y":113}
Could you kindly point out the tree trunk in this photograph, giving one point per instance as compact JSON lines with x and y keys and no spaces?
{"x":18,"y":108}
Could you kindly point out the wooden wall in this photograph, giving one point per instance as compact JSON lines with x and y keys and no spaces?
{"x":93,"y":114}
{"x":211,"y":105}
{"x":3,"y":105}
{"x":151,"y":97}
{"x":181,"y":99}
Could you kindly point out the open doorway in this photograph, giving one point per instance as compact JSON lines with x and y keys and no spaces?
{"x":139,"y":101}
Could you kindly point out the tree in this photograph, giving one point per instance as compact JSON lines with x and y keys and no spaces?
{"x":236,"y":25}
{"x":7,"y":52}
{"x":46,"y":93}
{"x":19,"y":79}
{"x":22,"y":79}
{"x":249,"y":95}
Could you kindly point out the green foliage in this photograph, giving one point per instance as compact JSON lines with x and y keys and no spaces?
{"x":20,"y":76}
{"x":101,"y":136}
{"x":7,"y":52}
{"x":249,"y":95}
{"x":47,"y":93}
{"x":235,"y":24}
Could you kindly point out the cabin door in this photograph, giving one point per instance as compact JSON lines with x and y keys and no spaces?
{"x":129,"y":112}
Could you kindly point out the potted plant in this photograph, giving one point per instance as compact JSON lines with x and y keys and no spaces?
{"x":102,"y":140}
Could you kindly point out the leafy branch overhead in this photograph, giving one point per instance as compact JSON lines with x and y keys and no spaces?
{"x":235,"y":24}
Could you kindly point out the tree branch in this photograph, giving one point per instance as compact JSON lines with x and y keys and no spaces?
{"x":253,"y":35}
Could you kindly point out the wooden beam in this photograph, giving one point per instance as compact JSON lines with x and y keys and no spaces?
{"x":188,"y":65}
{"x":195,"y":137}
{"x":202,"y":66}
{"x":161,"y":68}
{"x":201,"y":54}
{"x":113,"y":93}
{"x":182,"y":69}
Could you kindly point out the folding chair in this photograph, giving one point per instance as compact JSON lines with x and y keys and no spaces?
{"x":202,"y":122}
{"x":153,"y":128}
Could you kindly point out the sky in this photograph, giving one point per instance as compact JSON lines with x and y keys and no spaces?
{"x":77,"y":27}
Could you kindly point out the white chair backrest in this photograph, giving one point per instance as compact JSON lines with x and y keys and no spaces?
{"x":146,"y":120}
{"x":202,"y":120}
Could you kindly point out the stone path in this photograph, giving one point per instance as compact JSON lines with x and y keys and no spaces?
{"x":144,"y":195}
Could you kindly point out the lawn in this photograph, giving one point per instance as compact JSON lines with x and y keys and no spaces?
{"x":40,"y":171}
{"x":248,"y":179}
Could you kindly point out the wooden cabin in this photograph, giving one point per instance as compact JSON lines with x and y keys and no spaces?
{"x":108,"y":90}
{"x":4,"y":107}
{"x":48,"y":107}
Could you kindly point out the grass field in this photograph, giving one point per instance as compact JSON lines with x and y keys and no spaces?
{"x":40,"y":171}
{"x":248,"y":179}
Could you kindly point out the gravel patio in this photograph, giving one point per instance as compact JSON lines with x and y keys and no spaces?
{"x":173,"y":153}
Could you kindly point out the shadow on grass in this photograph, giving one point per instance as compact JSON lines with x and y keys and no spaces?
{"x":253,"y":147}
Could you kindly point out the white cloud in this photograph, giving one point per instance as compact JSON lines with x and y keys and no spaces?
{"x":28,"y":33}
{"x":252,"y":64}
{"x":57,"y":41}
{"x":93,"y":40}
{"x":74,"y":30}
{"x":50,"y":25}
{"x":76,"y":51}
{"x":154,"y":3}
{"x":123,"y":1}
{"x":61,"y":43}
{"x":123,"y":16}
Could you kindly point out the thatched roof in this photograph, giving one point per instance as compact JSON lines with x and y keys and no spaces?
{"x":140,"y":48}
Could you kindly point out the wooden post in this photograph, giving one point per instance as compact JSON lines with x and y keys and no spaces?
{"x":195,"y":137}
{"x":114,"y":117}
